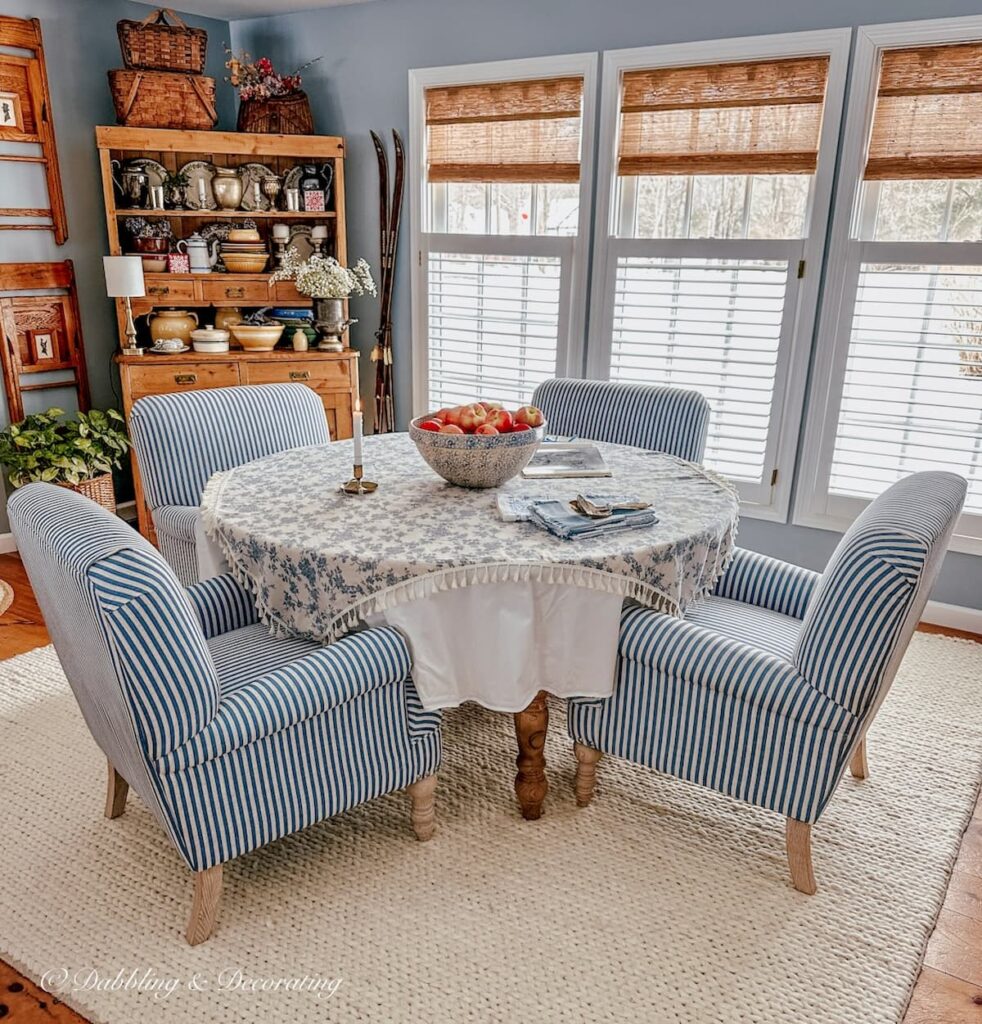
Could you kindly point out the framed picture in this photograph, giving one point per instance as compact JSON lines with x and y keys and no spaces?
{"x":44,"y":346}
{"x":11,"y":116}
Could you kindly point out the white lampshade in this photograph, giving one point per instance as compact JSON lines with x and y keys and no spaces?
{"x":124,"y":276}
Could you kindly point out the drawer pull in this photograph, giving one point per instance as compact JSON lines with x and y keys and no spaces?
{"x":300,"y":375}
{"x":185,"y":378}
{"x":234,"y":293}
{"x":159,"y":289}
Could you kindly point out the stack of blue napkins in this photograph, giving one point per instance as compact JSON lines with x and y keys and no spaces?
{"x":559,"y":519}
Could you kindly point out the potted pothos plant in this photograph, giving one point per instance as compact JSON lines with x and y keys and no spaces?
{"x":78,"y":453}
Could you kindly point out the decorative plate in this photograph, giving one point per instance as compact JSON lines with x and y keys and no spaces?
{"x":155,"y":172}
{"x":292,"y":179}
{"x":200,"y":170}
{"x":220,"y":228}
{"x":252,"y":175}
{"x":300,"y":240}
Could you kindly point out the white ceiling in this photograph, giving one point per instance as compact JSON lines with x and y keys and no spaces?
{"x":232,"y":10}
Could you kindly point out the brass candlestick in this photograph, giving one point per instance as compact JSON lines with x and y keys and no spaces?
{"x":356,"y":485}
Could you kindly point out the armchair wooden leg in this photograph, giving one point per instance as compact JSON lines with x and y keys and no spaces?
{"x":798,"y":838}
{"x":204,"y":908}
{"x":116,"y":789}
{"x":586,"y":772}
{"x":859,"y":765}
{"x":422,"y":813}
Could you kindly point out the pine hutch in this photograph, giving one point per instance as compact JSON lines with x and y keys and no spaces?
{"x":334,"y":376}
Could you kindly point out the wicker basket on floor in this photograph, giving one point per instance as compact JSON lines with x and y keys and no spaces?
{"x":99,"y":489}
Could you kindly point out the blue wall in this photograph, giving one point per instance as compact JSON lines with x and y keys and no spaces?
{"x":80,"y":45}
{"x":361,"y":83}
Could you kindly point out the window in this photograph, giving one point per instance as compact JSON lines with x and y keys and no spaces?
{"x":899,"y":376}
{"x":716,"y":173}
{"x":499,"y":285}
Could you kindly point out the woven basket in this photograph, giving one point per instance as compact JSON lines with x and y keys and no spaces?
{"x":159,"y":99}
{"x":99,"y":489}
{"x":281,"y":115}
{"x":153,"y":45}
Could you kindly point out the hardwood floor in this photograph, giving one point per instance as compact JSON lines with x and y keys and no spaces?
{"x":948,"y":991}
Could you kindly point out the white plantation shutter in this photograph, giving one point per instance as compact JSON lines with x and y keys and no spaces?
{"x":912,"y":388}
{"x":495,"y":320}
{"x":715,"y":326}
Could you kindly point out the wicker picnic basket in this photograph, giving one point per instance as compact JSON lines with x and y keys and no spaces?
{"x":154,"y":45}
{"x":98,"y":488}
{"x":159,"y":99}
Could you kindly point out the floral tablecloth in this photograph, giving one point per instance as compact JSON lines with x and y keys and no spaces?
{"x":321,"y":562}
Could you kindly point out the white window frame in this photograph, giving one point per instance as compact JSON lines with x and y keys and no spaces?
{"x":768,"y":500}
{"x":573,"y":250}
{"x":814,"y":506}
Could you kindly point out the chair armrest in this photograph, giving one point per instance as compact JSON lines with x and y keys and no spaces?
{"x":745,"y":673}
{"x":176,"y":520}
{"x":222,"y":604}
{"x":768,"y":583}
{"x":309,"y":686}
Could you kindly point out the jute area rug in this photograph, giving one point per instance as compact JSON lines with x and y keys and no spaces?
{"x":659,"y":903}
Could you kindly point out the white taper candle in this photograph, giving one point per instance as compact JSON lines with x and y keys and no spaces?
{"x":358,"y":421}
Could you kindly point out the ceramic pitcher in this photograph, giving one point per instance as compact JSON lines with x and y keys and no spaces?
{"x":202,"y":252}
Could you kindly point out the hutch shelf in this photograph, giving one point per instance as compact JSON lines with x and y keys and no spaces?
{"x":334,"y":376}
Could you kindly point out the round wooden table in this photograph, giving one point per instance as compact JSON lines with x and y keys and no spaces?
{"x":436,"y":561}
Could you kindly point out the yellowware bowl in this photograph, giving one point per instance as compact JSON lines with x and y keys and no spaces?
{"x":243,"y":235}
{"x":257,"y":337}
{"x":237,"y":263}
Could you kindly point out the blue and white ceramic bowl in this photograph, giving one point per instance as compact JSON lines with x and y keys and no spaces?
{"x":476,"y":460}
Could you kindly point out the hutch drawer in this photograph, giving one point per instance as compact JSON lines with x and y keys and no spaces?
{"x":315,"y":373}
{"x":224,"y":288}
{"x":187,"y":376}
{"x":174,"y":290}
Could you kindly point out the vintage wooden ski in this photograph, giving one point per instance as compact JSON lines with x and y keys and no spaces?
{"x":390,"y":216}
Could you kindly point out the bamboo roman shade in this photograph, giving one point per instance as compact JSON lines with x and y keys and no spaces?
{"x":763,"y":117}
{"x":505,"y":131}
{"x":927,"y":122}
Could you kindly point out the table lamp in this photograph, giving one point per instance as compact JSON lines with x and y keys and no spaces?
{"x":124,"y":280}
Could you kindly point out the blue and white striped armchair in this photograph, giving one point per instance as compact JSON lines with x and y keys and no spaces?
{"x":765,"y":691}
{"x":662,"y":419}
{"x":184,"y":438}
{"x":231,"y":737}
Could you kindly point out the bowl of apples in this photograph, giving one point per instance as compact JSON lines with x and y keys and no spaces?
{"x":478,"y":445}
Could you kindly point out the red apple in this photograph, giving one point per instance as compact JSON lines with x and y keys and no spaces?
{"x":450,"y":415}
{"x":530,"y":415}
{"x":442,"y":415}
{"x":519,"y":427}
{"x":489,"y":406}
{"x":450,"y":428}
{"x":471,"y":417}
{"x":434,"y":425}
{"x":486,"y":428}
{"x":501,"y":420}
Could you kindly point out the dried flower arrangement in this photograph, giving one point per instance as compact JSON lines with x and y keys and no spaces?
{"x":258,"y":79}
